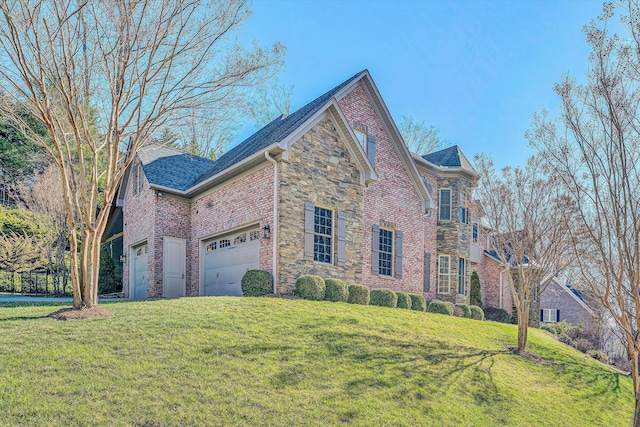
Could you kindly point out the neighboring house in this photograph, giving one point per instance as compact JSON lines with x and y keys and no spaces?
{"x":560,"y":302}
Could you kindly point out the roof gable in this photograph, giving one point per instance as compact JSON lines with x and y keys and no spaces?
{"x":274,"y":132}
{"x":166,"y":167}
{"x":450,"y":157}
{"x":393,"y":133}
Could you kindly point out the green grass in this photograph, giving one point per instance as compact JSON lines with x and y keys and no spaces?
{"x":264,"y":361}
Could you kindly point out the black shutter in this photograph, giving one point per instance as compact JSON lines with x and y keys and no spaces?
{"x":309,"y":212}
{"x":371,"y":149}
{"x":542,"y":315}
{"x":557,"y":315}
{"x":375,"y":249}
{"x":342,"y":238}
{"x":427,"y":272}
{"x":398,"y":254}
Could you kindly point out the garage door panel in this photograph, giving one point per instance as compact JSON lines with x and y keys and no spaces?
{"x":227,"y":262}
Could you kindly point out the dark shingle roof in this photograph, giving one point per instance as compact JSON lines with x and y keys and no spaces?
{"x":170,"y":168}
{"x":448,"y":157}
{"x":272,"y":133}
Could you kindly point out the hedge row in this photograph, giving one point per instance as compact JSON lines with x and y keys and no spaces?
{"x":259,"y":282}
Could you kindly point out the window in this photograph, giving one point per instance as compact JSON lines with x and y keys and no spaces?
{"x":549,"y":315}
{"x":385,"y":262}
{"x":241,"y":238}
{"x":445,"y":205}
{"x":322,"y":234}
{"x":463,"y":210}
{"x":225,"y":243}
{"x":462,"y":275}
{"x":212,"y":246}
{"x":474,"y":233}
{"x":444,"y":268}
{"x":360,"y":131}
{"x":137,"y":184}
{"x":254,"y":235}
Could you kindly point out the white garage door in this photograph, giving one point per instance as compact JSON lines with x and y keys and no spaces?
{"x":227,"y":259}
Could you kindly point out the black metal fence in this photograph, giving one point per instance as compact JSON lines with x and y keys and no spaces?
{"x":44,"y":283}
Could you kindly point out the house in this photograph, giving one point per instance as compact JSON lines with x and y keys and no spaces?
{"x":561,"y":302}
{"x":330,"y":189}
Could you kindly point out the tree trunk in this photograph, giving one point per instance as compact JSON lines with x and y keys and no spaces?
{"x":635,"y":374}
{"x":85,"y":265}
{"x":523,"y":328}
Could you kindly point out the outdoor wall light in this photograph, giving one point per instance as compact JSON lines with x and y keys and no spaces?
{"x":123,"y":258}
{"x":266,"y":232}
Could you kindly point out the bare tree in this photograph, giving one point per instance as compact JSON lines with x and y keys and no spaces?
{"x":595,"y":148}
{"x":269,"y":102}
{"x":44,"y":196}
{"x":105,"y":77}
{"x":20,"y":252}
{"x":522,"y":208}
{"x":419,"y":137}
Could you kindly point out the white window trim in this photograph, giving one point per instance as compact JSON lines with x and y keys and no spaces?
{"x":546,"y":312}
{"x":393,"y":253}
{"x":464,"y":278}
{"x":440,"y":204}
{"x":463,"y":209}
{"x":333,"y":231}
{"x":138,"y":183}
{"x":475,"y":239}
{"x":446,"y":275}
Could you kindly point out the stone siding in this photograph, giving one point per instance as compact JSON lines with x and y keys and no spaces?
{"x":319,"y":170}
{"x":391,"y":199}
{"x":454,"y":237}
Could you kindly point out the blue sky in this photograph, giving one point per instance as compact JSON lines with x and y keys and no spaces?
{"x":478,"y":70}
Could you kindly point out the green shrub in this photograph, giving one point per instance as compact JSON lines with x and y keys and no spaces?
{"x":383,"y":298}
{"x":359,"y":294}
{"x":404,"y":300}
{"x":337,"y":290}
{"x":256,"y":283}
{"x":475,"y":296}
{"x":310,"y":287}
{"x":497,"y":315}
{"x":464,"y":310}
{"x":566,"y":339}
{"x":599,"y":355}
{"x":440,"y":307}
{"x":418,"y":302}
{"x":564,"y":328}
{"x":476,"y":312}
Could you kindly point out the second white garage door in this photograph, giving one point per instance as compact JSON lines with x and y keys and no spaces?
{"x":227,"y":259}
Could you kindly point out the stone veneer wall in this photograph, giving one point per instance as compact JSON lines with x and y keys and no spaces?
{"x":242,"y":201}
{"x":138,"y":225}
{"x":392,"y":199}
{"x":319,"y":170}
{"x":454,"y":237}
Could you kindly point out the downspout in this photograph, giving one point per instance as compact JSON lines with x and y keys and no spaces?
{"x":274,"y":231}
{"x":501,"y":287}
